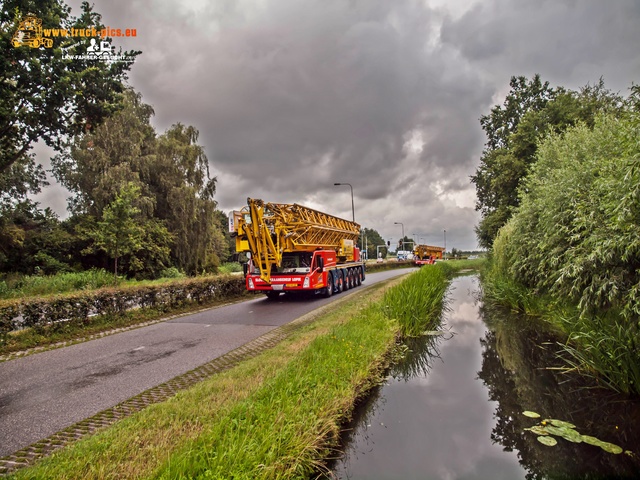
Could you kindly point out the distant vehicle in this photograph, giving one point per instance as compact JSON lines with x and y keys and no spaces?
{"x":427,"y":254}
{"x":473,"y":257}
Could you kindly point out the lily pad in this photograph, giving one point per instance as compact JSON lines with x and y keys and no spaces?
{"x":606,"y":446}
{"x":611,"y":448}
{"x":591,"y":440}
{"x":530,"y":414}
{"x":567,"y":433}
{"x":538,"y":430}
{"x":559,"y":423}
{"x":548,"y":441}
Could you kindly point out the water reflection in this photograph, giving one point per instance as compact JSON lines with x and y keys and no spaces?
{"x":516,"y":356}
{"x":452,"y":408}
{"x":432,"y":419}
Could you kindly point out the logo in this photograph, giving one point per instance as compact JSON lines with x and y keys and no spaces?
{"x":29,"y":33}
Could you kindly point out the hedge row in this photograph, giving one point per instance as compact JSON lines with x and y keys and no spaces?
{"x":78,"y":308}
{"x":389,"y":265}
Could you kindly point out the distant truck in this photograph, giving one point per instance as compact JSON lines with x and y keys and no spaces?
{"x":292,"y":248}
{"x":427,"y":254}
{"x":29,"y":33}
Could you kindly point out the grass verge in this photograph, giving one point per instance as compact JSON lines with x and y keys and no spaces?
{"x":277,"y":415}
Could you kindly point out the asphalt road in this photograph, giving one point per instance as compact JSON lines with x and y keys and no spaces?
{"x":44,"y":393}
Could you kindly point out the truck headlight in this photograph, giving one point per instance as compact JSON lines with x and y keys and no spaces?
{"x":251,"y":286}
{"x":305,"y":284}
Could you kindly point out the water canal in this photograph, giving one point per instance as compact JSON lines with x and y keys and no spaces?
{"x":453,"y":408}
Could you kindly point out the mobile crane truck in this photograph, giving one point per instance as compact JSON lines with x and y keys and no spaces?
{"x":292,"y":248}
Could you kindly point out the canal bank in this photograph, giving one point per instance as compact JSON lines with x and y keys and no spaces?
{"x":454,"y":407}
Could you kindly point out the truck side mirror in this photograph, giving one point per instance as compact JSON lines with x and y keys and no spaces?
{"x":320,"y":263}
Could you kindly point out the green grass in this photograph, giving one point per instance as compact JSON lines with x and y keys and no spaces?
{"x":607,"y":349}
{"x":40,"y":285}
{"x":417,"y":302}
{"x":278,"y":415}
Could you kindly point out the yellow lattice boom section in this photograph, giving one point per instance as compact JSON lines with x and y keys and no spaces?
{"x":303,"y":228}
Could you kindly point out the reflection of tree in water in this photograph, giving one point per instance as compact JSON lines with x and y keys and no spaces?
{"x":516,"y":354}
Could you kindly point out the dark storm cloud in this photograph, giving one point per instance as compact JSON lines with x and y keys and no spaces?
{"x":297,"y":94}
{"x":291,"y":96}
{"x":570,"y":42}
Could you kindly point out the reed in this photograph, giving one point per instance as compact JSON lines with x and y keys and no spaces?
{"x":417,"y":303}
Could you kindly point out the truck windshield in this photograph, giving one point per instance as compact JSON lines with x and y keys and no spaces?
{"x":297,"y":262}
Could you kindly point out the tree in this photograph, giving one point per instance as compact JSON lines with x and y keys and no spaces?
{"x":171,"y":171}
{"x":531,"y":111}
{"x":119,"y":233}
{"x":370,"y":238}
{"x":184,"y":191}
{"x":119,"y":151}
{"x":45,"y":95}
{"x":34,"y":240}
{"x":406,"y":243}
{"x":123,"y":231}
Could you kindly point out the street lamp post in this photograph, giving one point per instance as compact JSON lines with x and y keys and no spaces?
{"x":400,"y":223}
{"x":353,"y":211}
{"x":445,"y":244}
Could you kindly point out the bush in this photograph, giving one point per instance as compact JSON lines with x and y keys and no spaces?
{"x":230,"y":267}
{"x":575,"y":240}
{"x":576,"y":234}
{"x":171,"y":272}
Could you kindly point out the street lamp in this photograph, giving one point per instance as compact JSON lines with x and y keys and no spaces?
{"x":353,"y":211}
{"x":445,"y":244}
{"x":400,"y":223}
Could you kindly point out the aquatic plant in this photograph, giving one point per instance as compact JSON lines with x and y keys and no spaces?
{"x":549,"y":428}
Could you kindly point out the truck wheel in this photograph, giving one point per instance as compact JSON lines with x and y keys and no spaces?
{"x":361,"y":273}
{"x":339,"y":281}
{"x":356,"y":272}
{"x":345,"y":279}
{"x":271,"y":295}
{"x":328,"y":290}
{"x":352,"y":278}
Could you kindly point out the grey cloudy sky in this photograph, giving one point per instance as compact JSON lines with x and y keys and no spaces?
{"x":291,"y":96}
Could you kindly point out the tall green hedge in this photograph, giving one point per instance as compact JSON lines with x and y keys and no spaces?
{"x":576,"y":234}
